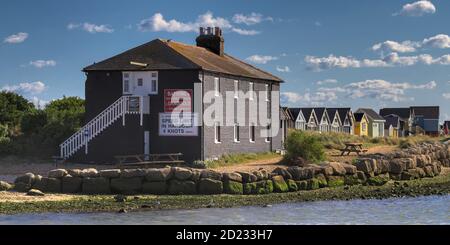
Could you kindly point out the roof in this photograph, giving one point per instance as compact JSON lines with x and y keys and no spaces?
{"x":331,"y":112}
{"x":371,"y":114}
{"x":294,"y":112}
{"x":288,"y":113}
{"x":428,"y":112}
{"x":391,"y":120}
{"x":319,"y":112}
{"x":169,"y":55}
{"x":343,"y":112}
{"x":307,"y":113}
{"x":359,"y":116}
{"x":403,"y":113}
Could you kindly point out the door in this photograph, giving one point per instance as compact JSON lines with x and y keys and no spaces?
{"x":146,"y":142}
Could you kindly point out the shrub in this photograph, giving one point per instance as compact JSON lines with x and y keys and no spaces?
{"x":304,"y":145}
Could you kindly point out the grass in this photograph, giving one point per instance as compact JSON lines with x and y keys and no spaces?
{"x":429,"y":186}
{"x":336,"y":141}
{"x":236,"y":159}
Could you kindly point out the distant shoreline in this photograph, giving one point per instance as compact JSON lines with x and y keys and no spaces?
{"x":15,"y":203}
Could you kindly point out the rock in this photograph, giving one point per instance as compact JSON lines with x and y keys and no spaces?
{"x":211,"y":174}
{"x":54,"y":185}
{"x":428,"y":171}
{"x":110,"y":173}
{"x":155,"y":188}
{"x":249,"y":188}
{"x":338,"y":169}
{"x":382,"y":166}
{"x":182,"y":173}
{"x":41,"y":184}
{"x":378,"y":180}
{"x":322,"y":180}
{"x":313,"y":184}
{"x":261,"y":175}
{"x":177,"y":187}
{"x":89,"y":173}
{"x":263,"y":187}
{"x":335,"y":181}
{"x":298,"y":173}
{"x":410,"y":163}
{"x":75,"y":172}
{"x":395,"y":176}
{"x":349,"y":169}
{"x":210,"y":187}
{"x":233,"y":187}
{"x":436,"y":168}
{"x":422,"y":160}
{"x":421,"y":172}
{"x":98,"y":185}
{"x":196,"y":175}
{"x":127,"y":186}
{"x":27,"y":179}
{"x":4,"y":186}
{"x":282,"y":172}
{"x":133,"y":173}
{"x":34,"y":192}
{"x":279,"y":185}
{"x":397,"y":166}
{"x":22,"y":187}
{"x":232,"y":177}
{"x":361,"y":176}
{"x":325,"y":170}
{"x":120,"y":198}
{"x":57,"y":173}
{"x":302,"y":185}
{"x":292,"y":185}
{"x":71,"y":184}
{"x":159,"y":175}
{"x":352,"y":180}
{"x":298,"y":161}
{"x":248,"y":177}
{"x":365,"y":165}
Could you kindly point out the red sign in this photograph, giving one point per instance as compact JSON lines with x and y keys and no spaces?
{"x":178,"y":99}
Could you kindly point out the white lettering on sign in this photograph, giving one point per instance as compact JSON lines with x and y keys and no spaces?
{"x":173,"y":126}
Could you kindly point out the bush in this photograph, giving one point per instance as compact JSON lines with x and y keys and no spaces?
{"x":304,"y":145}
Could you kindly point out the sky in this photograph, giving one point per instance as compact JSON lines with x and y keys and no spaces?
{"x":360,"y":53}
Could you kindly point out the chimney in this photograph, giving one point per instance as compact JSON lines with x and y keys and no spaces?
{"x":211,"y":39}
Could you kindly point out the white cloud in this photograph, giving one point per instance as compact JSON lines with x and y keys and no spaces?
{"x":379,"y":89}
{"x":318,"y":23}
{"x":308,"y":98}
{"x":326,"y":81}
{"x":16,"y":38}
{"x":261,"y":59}
{"x":39,"y":103}
{"x":42,"y":63}
{"x":91,"y":28}
{"x":391,"y":60}
{"x":392,"y":46}
{"x":446,"y":96}
{"x":439,"y":41}
{"x":283,"y":69}
{"x":251,"y":19}
{"x":26,"y":88}
{"x":418,"y":8}
{"x":158,"y":23}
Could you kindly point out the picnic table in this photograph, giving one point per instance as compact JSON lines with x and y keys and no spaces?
{"x":353,"y":147}
{"x":144,"y":160}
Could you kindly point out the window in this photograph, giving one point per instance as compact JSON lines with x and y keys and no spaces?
{"x":126,"y":75}
{"x":236,"y":89}
{"x":140,"y":82}
{"x":217,"y":133}
{"x":251,"y":88}
{"x":126,"y":86}
{"x":267,"y":92}
{"x":237,"y":138}
{"x":268,"y":138}
{"x":364,"y":126}
{"x":154,"y":74}
{"x":217,"y":86}
{"x":154,"y":88}
{"x":252,"y":133}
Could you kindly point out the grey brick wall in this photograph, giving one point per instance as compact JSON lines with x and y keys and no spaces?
{"x":227,"y":145}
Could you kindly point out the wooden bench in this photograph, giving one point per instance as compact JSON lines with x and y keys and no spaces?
{"x":353,"y":148}
{"x":145,"y":160}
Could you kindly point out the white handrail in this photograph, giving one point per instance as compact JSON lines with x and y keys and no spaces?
{"x":97,"y":125}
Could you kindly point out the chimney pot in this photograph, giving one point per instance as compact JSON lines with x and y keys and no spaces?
{"x":211,"y":39}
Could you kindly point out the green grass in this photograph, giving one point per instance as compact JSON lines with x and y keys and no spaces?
{"x":236,"y":159}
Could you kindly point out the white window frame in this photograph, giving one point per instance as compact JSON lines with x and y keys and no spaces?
{"x":236,"y":89}
{"x":216,"y":86}
{"x":251,"y":89}
{"x":267,"y":92}
{"x":252,"y":128}
{"x":154,"y":79}
{"x":126,"y":80}
{"x":217,"y":133}
{"x":237,"y":138}
{"x":268,"y":139}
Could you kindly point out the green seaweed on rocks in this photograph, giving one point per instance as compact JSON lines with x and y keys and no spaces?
{"x":335,"y":181}
{"x":279,"y":185}
{"x":292,"y":185}
{"x":233,"y":187}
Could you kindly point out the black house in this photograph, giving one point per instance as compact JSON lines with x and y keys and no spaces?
{"x":130,"y":97}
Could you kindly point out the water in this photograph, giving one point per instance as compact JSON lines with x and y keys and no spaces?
{"x":420,"y":210}
{"x":8,"y":178}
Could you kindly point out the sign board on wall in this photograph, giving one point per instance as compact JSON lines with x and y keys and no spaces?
{"x":187,"y":126}
{"x":180,"y":99}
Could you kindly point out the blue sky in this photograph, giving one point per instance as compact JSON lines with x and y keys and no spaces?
{"x":330,"y":53}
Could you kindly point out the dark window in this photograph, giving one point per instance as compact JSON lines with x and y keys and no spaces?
{"x":252,"y":133}
{"x":140,"y":82}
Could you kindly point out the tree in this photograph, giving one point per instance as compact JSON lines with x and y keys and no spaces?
{"x":12,"y":108}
